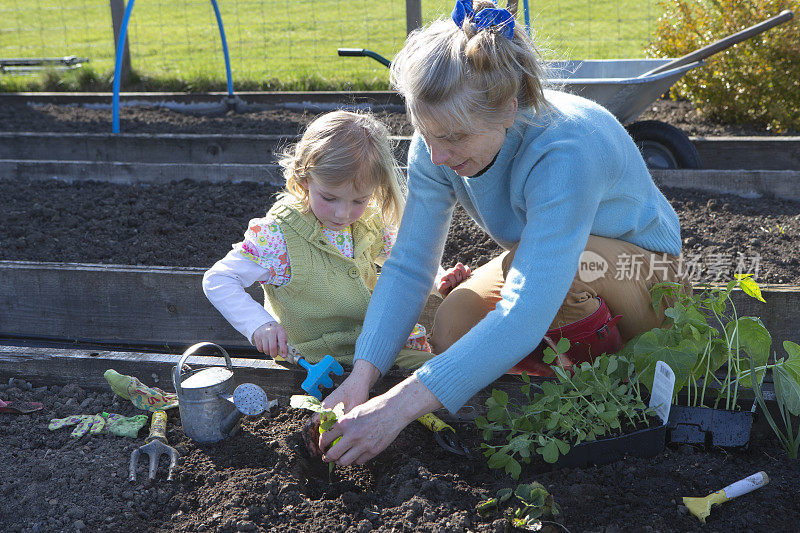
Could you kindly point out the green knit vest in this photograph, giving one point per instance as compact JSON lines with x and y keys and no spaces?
{"x":322,"y":307}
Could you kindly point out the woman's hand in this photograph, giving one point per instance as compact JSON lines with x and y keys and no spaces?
{"x":452,"y":278}
{"x":367,"y":429}
{"x":354,"y":390}
{"x":270,"y":339}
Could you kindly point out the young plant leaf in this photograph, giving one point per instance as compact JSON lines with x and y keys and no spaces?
{"x":754,"y":339}
{"x":682,"y":315}
{"x":749,"y":286}
{"x":660,"y":290}
{"x":563,"y":447}
{"x":499,"y":460}
{"x":500,"y":397}
{"x":650,"y":348}
{"x":302,"y":401}
{"x":787,"y":390}
{"x":549,"y":451}
{"x":792,"y":348}
{"x":533,"y":494}
{"x":792,"y":363}
{"x":513,"y":468}
{"x":487,"y":506}
{"x":563,"y":345}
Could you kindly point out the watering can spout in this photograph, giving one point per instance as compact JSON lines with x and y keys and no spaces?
{"x":230,"y":421}
{"x":248,"y":399}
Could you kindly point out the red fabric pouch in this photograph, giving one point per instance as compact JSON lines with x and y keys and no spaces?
{"x":589,"y":337}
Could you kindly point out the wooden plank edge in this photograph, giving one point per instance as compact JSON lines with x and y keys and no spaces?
{"x":121,"y":172}
{"x":783,"y":184}
{"x":85,"y":368}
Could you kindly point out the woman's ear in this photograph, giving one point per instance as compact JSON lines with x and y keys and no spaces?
{"x":511,"y":112}
{"x":304,"y":184}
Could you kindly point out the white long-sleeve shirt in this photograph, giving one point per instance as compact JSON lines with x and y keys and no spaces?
{"x":247,"y":263}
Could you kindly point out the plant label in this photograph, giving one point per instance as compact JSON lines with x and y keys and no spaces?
{"x":663,"y":390}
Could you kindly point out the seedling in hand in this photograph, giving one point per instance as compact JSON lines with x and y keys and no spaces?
{"x":328,"y":417}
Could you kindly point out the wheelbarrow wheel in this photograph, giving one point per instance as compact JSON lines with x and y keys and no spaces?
{"x":663,"y":146}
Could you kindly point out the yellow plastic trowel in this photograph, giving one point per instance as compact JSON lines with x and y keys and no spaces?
{"x":701,"y":507}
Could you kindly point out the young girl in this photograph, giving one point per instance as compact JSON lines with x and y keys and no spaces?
{"x":315,"y":251}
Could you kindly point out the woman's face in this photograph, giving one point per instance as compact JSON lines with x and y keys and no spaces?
{"x":467,"y":153}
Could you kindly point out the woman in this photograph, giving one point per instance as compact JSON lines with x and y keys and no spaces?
{"x":553,"y":178}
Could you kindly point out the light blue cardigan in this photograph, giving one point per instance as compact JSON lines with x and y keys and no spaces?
{"x":559,"y":176}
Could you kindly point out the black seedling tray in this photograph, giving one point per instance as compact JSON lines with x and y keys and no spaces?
{"x":642,"y":443}
{"x":710,"y":427}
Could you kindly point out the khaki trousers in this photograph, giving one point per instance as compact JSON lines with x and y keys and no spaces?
{"x":618,"y":272}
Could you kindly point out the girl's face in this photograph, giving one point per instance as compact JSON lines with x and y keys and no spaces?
{"x":337,"y":206}
{"x":468,"y":153}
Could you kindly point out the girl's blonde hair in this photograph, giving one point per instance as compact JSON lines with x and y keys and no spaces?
{"x":464,"y":76}
{"x":343,"y":146}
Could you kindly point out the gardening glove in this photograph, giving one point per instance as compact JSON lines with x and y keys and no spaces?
{"x":112,"y":423}
{"x":92,"y":424}
{"x":142,"y":396}
{"x":125,"y":426}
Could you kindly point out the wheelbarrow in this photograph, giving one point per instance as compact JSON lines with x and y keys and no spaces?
{"x":627,"y":87}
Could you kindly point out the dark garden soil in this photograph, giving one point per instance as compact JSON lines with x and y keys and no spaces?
{"x":260,"y":480}
{"x":192,"y":224}
{"x":134,"y":119}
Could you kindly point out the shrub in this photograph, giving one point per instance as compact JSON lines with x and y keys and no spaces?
{"x":756,"y":81}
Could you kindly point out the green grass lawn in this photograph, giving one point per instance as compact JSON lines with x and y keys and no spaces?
{"x":280,"y":43}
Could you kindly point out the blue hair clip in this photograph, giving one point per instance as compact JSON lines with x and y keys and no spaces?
{"x":486,"y":18}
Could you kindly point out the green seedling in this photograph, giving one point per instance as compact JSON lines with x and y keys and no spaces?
{"x":702,"y":334}
{"x":714,"y":353}
{"x":328,"y":417}
{"x":535,"y":505}
{"x":786,"y":376}
{"x":491,"y":505}
{"x":598,"y":399}
{"x":778,"y":229}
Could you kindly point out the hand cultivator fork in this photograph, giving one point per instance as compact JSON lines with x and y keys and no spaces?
{"x":156,"y":447}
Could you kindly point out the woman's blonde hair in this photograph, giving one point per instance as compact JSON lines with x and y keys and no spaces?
{"x":466,"y":76}
{"x":343,"y":146}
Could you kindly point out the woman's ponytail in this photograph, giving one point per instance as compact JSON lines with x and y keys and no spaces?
{"x":470,"y":70}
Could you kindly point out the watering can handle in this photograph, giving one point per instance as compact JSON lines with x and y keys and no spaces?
{"x":723,"y":44}
{"x":176,"y":375}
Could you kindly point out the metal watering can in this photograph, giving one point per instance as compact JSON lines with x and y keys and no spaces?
{"x":209,"y":405}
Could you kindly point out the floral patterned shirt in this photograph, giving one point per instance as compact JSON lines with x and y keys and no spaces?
{"x":265,"y":244}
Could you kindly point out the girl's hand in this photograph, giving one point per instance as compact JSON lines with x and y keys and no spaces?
{"x":271,"y":339}
{"x":452,"y":278}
